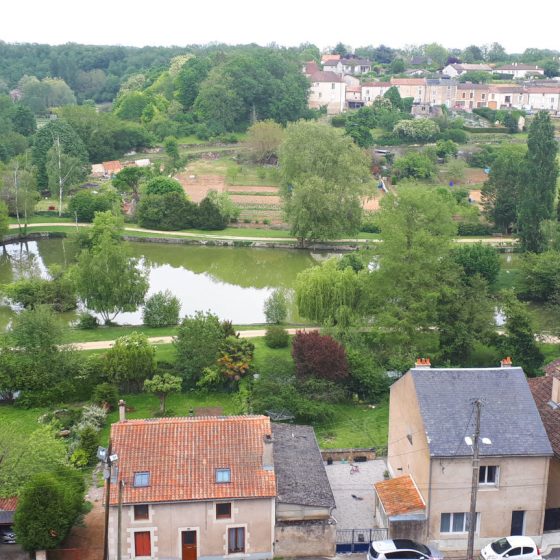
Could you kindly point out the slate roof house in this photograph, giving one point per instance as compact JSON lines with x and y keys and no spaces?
{"x":206,"y":488}
{"x":431,"y":412}
{"x":546,"y":392}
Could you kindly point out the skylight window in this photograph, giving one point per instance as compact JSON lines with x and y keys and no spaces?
{"x":223,"y":475}
{"x":141,"y":479}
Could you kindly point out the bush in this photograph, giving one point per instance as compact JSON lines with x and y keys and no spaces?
{"x":455,"y":134}
{"x":417,"y":130}
{"x":369,"y":223}
{"x":339,"y":121}
{"x":59,"y":293}
{"x":446,"y":149}
{"x":367,"y":379}
{"x":170,"y":211}
{"x":87,"y":321}
{"x":84,"y":204}
{"x":483,"y":157}
{"x":88,"y":442}
{"x":163,"y":185}
{"x":161,"y":310}
{"x":215,"y":211}
{"x":320,"y":356}
{"x":417,"y":165}
{"x":474,"y":229}
{"x":540,"y":276}
{"x":276,"y":337}
{"x":106,"y":395}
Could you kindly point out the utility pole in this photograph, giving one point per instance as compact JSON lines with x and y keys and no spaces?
{"x":474,"y":483}
{"x":119,"y":519}
{"x":107,"y":501}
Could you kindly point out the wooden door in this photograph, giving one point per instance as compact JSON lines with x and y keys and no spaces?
{"x":142,"y":543}
{"x":188,"y":542}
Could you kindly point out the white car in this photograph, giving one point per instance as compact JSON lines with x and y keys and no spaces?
{"x":516,"y":548}
{"x":401,"y":549}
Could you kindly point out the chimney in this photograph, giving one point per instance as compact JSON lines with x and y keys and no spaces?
{"x":506,"y":362}
{"x":555,"y":397}
{"x":122,"y":411}
{"x":423,"y":363}
{"x":267,"y":455}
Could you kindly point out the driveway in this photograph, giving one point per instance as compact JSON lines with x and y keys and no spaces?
{"x":353,"y":493}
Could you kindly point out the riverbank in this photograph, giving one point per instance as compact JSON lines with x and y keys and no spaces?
{"x":232,"y":237}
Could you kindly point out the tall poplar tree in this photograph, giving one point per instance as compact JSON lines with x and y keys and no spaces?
{"x":538,"y":191}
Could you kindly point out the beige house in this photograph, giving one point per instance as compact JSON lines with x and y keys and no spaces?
{"x":327,"y":89}
{"x":470,"y":96}
{"x":505,"y":96}
{"x":373,"y":90}
{"x":411,"y":87}
{"x":431,"y":412}
{"x":441,"y":92}
{"x":206,"y":488}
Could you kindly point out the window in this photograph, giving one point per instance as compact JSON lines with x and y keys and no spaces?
{"x":142,"y":543}
{"x":488,"y":475}
{"x":223,"y":475}
{"x":456,"y":522}
{"x":236,"y":540}
{"x":333,"y":86}
{"x":515,"y":551}
{"x":483,"y":96}
{"x":471,"y":95}
{"x":141,"y":512}
{"x":223,"y":511}
{"x":141,"y":479}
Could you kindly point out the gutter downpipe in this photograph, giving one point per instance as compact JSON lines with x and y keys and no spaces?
{"x":428,"y":507}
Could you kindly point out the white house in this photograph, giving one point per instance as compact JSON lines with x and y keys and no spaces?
{"x":327,"y":89}
{"x":519,"y":70}
{"x":455,"y":70}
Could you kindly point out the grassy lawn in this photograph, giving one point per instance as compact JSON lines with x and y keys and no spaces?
{"x":20,"y":420}
{"x":551,"y":352}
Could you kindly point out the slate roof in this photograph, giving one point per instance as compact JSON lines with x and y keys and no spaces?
{"x":300,"y":472}
{"x":182,"y":455}
{"x":509,"y":415}
{"x":326,"y":77}
{"x":541,"y":387}
{"x":399,"y":496}
{"x":7,"y":510}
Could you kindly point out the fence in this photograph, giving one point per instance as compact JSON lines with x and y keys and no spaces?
{"x":357,"y":540}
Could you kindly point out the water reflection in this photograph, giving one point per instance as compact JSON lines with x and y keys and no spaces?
{"x":231,"y":282}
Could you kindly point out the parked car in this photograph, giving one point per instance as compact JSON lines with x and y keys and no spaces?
{"x":401,"y":549}
{"x":517,"y":548}
{"x":7,"y":536}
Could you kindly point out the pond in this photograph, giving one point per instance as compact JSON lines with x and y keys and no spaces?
{"x":232,"y":282}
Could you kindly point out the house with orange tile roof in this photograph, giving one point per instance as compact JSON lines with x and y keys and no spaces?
{"x":431,"y":413}
{"x":207,"y":487}
{"x":7,"y":511}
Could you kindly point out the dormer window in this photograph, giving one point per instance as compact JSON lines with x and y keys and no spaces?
{"x":223,"y":475}
{"x":141,"y":479}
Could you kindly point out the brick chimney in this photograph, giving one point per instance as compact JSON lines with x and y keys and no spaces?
{"x":506,"y":362}
{"x":122,"y":411}
{"x":423,"y":363}
{"x":267,"y":455}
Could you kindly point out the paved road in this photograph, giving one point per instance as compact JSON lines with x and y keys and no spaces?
{"x":104,"y":344}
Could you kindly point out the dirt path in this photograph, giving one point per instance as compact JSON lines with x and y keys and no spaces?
{"x":104,"y":344}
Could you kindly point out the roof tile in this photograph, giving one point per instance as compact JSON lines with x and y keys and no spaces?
{"x":399,"y":496}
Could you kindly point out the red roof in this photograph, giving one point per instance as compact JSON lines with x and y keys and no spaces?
{"x":553,"y":368}
{"x":112,"y":166}
{"x":8,"y":504}
{"x":377,"y":84}
{"x":408,"y":81}
{"x":541,"y":387}
{"x":311,"y":67}
{"x":182,"y":455}
{"x":399,"y":496}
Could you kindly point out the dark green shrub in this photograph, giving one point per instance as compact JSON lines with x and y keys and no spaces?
{"x":478,"y":259}
{"x":276,"y":337}
{"x":106,"y":394}
{"x":474,"y":228}
{"x":89,"y":440}
{"x":455,"y":134}
{"x":87,"y":321}
{"x":171,"y":211}
{"x":163,"y":185}
{"x":161,"y":310}
{"x":209,"y":216}
{"x":339,"y":121}
{"x":84,"y":204}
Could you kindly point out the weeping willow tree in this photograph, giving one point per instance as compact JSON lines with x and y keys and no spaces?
{"x":327,"y":294}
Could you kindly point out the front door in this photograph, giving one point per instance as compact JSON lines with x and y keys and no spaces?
{"x":517,"y":522}
{"x":188,"y":545}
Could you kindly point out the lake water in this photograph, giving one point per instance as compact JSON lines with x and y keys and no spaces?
{"x":232,"y":282}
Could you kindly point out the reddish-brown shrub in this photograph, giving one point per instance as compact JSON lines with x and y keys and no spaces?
{"x":320,"y":356}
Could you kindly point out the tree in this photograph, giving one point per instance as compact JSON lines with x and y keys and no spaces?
{"x":19,"y":192}
{"x":37,"y":330}
{"x":163,"y":185}
{"x":323,"y":177}
{"x":189,"y":78}
{"x":107,"y":279}
{"x":537,"y":198}
{"x":551,"y":68}
{"x":49,"y":505}
{"x":319,"y":356}
{"x":520,"y":342}
{"x":472,"y":54}
{"x":501,"y":193}
{"x":161,"y":310}
{"x":276,"y":306}
{"x":197,"y":345}
{"x":161,"y":386}
{"x":417,"y":165}
{"x":171,"y":211}
{"x":85,"y":204}
{"x":70,"y":144}
{"x":129,"y":179}
{"x":264,"y":139}
{"x":496,"y":53}
{"x":215,"y":211}
{"x":130,"y":361}
{"x":540,"y":277}
{"x":174,"y":159}
{"x":24,"y":120}
{"x":478,"y":259}
{"x":323,"y":291}
{"x":437,"y":54}
{"x":418,"y":130}
{"x":476,"y":77}
{"x":4,"y":222}
{"x":397,"y":66}
{"x":341,"y":49}
{"x":235,"y":358}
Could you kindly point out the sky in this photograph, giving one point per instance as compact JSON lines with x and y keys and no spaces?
{"x":285,"y":22}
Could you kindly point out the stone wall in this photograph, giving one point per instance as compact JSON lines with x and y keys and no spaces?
{"x":305,"y":538}
{"x":415,"y":530}
{"x":349,"y":454}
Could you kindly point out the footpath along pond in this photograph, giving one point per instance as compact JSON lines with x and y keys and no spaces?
{"x":232,"y":282}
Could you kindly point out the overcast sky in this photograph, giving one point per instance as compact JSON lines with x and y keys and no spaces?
{"x":286,"y":22}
